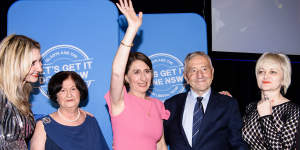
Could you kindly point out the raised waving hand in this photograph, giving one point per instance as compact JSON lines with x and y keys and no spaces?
{"x":121,"y":57}
{"x":128,"y":11}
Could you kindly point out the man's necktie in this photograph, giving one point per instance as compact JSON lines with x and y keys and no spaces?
{"x":197,"y":119}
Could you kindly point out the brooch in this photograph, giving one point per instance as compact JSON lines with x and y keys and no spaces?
{"x":46,"y":120}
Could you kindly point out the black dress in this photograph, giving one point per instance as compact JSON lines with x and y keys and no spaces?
{"x":298,"y":138}
{"x":15,"y":128}
{"x":276,"y":131}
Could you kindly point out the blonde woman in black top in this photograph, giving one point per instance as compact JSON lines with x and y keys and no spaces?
{"x":272,"y":122}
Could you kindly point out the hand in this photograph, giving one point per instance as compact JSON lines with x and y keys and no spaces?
{"x":264,"y":107}
{"x":128,"y":11}
{"x":85,"y":112}
{"x":225,"y":93}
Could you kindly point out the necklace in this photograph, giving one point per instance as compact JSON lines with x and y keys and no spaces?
{"x":65,"y":119}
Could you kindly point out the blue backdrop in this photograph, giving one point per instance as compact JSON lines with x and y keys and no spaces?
{"x":167,"y":39}
{"x":83,"y":36}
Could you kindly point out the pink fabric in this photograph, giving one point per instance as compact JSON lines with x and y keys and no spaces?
{"x":140,"y":125}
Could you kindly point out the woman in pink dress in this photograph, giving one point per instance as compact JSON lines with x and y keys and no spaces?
{"x":137,"y":120}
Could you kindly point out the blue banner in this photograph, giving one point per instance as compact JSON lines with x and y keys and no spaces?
{"x":83,"y":36}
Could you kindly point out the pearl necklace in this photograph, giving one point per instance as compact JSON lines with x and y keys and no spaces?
{"x":65,"y":119}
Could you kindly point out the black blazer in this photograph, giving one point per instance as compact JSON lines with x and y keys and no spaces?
{"x":220,"y":129}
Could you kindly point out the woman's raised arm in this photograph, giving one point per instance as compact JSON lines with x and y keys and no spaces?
{"x":121,"y":57}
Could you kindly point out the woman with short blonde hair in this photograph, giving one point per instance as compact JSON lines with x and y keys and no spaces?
{"x":284,"y":63}
{"x":272,"y":122}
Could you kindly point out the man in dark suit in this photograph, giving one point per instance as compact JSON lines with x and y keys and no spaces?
{"x":219,"y":126}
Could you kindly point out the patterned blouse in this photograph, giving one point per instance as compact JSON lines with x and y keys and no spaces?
{"x":15,"y":128}
{"x":276,"y":131}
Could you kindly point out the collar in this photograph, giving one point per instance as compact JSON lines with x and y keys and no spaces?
{"x":192,"y":98}
{"x":205,"y":96}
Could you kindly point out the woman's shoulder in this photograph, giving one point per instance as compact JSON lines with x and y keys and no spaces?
{"x":155,"y":100}
{"x":158,"y":102}
{"x":293,"y":104}
{"x":90,"y":117}
{"x":4,"y":103}
{"x":165,"y":114}
{"x":293,"y":107}
{"x":91,"y":121}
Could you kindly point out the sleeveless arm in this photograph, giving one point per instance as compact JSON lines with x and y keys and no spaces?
{"x":38,"y":139}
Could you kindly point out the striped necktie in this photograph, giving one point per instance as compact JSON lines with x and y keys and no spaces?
{"x":197,"y":118}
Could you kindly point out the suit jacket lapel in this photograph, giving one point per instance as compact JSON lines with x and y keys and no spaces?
{"x":182,"y":105}
{"x":207,"y":115}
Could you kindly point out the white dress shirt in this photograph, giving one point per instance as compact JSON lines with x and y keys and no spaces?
{"x":187,"y":121}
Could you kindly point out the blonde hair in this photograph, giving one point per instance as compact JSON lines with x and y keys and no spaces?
{"x":15,"y":63}
{"x":285,"y":65}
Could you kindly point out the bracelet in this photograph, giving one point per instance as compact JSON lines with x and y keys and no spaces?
{"x":130,"y":45}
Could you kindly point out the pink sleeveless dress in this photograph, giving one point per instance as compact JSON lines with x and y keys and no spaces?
{"x":140,"y":125}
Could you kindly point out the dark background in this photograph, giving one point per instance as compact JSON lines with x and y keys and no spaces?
{"x":234,"y":72}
